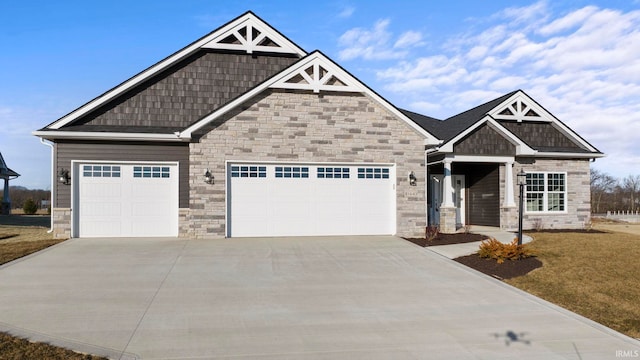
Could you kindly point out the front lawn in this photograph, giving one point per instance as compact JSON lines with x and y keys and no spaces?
{"x":592,"y":274}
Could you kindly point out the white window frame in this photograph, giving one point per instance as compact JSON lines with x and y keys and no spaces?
{"x":545,"y":193}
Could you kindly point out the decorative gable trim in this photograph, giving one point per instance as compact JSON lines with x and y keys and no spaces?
{"x":524,"y":108}
{"x":521,"y":147}
{"x":320,"y":74}
{"x":276,"y":42}
{"x":315,"y":75}
{"x":520,"y":107}
{"x":250,"y":34}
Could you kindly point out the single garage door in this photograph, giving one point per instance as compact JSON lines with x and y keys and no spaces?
{"x":126,"y":200}
{"x":310,"y":199}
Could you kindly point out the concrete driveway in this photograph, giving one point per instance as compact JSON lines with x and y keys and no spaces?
{"x":283,"y":298}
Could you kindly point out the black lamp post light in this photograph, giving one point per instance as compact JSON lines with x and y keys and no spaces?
{"x":522,"y":181}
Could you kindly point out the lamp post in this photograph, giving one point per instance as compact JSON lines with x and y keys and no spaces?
{"x":522,"y":181}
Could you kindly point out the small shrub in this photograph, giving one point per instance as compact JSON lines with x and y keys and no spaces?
{"x":467,"y":229}
{"x":494,"y":249}
{"x":537,"y":224}
{"x":431,"y":233}
{"x":30,"y":207}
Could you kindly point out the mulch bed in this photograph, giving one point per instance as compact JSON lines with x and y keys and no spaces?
{"x":448,"y":239}
{"x":507,"y":270}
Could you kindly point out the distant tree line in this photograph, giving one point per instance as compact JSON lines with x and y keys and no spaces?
{"x":612,"y":194}
{"x":19,"y":195}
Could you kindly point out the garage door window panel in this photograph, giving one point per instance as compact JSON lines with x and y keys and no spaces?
{"x":100,"y":171}
{"x":297,"y":172}
{"x":151,"y":172}
{"x":333,"y":173}
{"x":249,"y":171}
{"x":373,"y":173}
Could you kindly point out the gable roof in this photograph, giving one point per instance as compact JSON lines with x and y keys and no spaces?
{"x":247,"y":33}
{"x":315,"y":72}
{"x":458,"y":123}
{"x":515,"y":106}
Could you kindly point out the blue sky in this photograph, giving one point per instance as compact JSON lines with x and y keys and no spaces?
{"x":579,"y":59}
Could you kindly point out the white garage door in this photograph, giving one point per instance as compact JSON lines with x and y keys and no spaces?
{"x":118,"y":200}
{"x":307,"y":200}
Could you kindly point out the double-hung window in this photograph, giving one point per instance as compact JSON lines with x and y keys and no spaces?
{"x":546,"y":192}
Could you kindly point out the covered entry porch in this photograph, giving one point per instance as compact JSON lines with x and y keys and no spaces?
{"x":470,"y":190}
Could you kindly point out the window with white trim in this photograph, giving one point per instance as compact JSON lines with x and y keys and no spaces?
{"x":546,"y":192}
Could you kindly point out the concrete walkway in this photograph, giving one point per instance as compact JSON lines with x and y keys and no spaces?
{"x":284,"y":298}
{"x":456,"y":250}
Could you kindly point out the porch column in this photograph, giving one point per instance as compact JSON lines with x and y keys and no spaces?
{"x":447,"y":187}
{"x":508,"y":185}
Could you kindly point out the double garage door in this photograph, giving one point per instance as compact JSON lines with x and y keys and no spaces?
{"x":310,"y":199}
{"x":125,"y":200}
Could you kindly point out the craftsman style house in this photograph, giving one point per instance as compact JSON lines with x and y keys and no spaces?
{"x":243,"y":133}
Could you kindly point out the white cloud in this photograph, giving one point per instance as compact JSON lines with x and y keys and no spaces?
{"x":376,"y":43}
{"x":346,"y":12}
{"x":582,"y":65}
{"x":408,"y":39}
{"x":571,"y":20}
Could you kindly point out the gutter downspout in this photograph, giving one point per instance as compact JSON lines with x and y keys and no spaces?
{"x":53,"y":184}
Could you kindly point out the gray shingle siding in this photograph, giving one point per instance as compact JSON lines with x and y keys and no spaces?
{"x":186,"y":92}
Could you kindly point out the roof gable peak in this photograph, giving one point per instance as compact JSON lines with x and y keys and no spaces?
{"x":520,"y":107}
{"x":251,"y":34}
{"x":316,"y":72}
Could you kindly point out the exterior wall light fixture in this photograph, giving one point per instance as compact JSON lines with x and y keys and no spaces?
{"x":208,"y":177}
{"x":64,"y":177}
{"x":412,"y":179}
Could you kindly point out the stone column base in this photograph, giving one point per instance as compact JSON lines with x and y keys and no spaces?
{"x":448,"y":220}
{"x":509,"y":218}
{"x":61,"y":223}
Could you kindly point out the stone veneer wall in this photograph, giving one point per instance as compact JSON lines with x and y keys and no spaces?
{"x":184,"y":225}
{"x":578,"y":204}
{"x":301,"y":126}
{"x":61,"y":223}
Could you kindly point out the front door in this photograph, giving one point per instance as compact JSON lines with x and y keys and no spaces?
{"x":437,"y":195}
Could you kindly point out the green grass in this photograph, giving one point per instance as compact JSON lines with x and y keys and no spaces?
{"x":594,"y":275}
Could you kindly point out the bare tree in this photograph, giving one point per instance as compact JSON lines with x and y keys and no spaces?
{"x":601,"y":184}
{"x":631,"y":185}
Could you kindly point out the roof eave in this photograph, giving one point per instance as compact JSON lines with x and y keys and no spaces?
{"x":112,"y":136}
{"x":589,"y":155}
